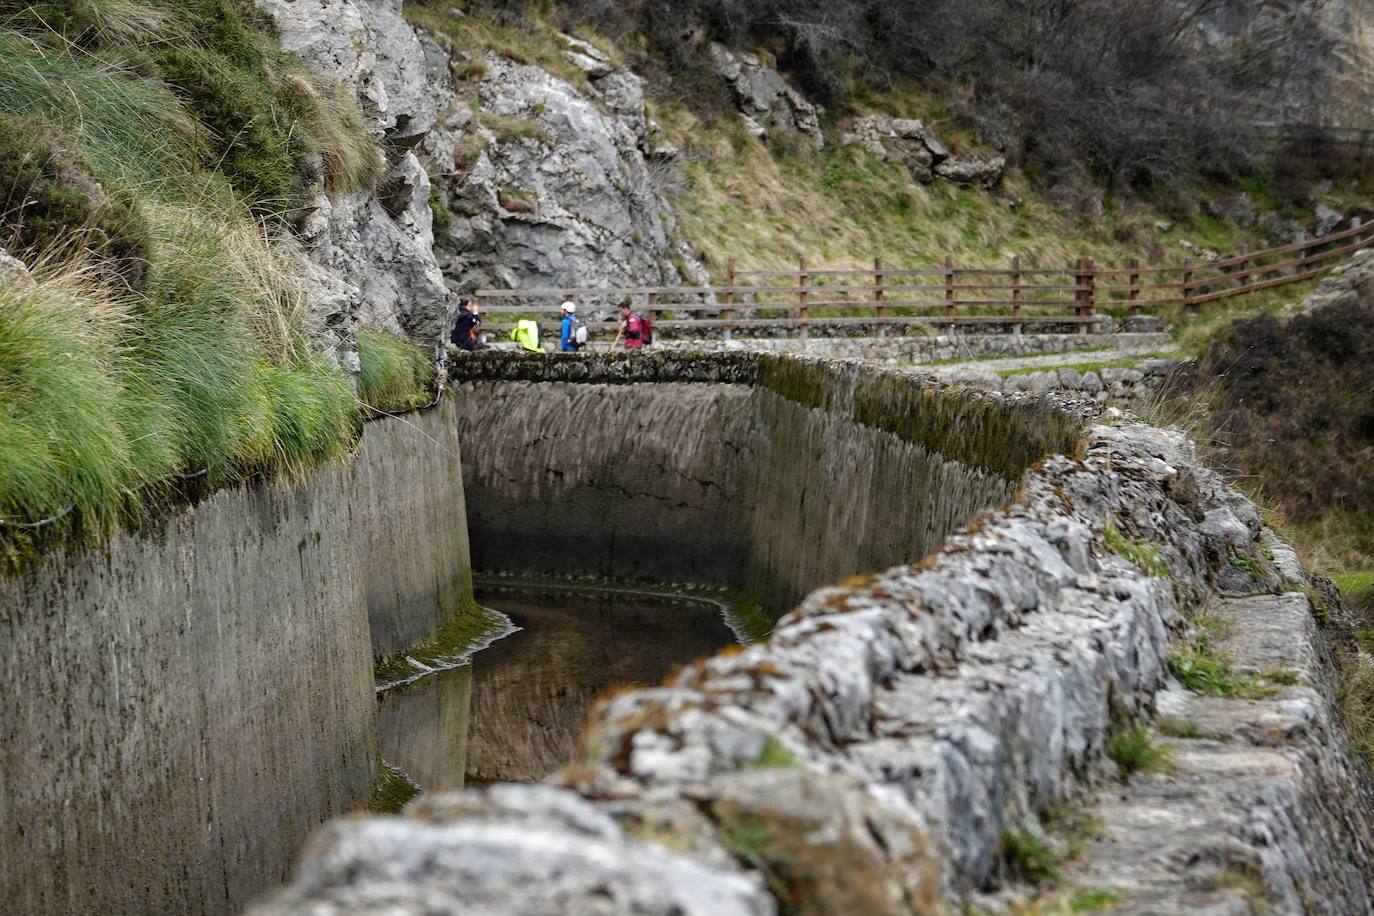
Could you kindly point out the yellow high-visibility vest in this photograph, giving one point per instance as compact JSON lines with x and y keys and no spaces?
{"x":526,"y":334}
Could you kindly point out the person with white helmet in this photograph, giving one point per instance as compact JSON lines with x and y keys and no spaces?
{"x":574,"y":332}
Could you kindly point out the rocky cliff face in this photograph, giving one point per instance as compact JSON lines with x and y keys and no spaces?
{"x":548,"y":183}
{"x":1325,"y":72}
{"x":375,"y":251}
{"x":553,"y":185}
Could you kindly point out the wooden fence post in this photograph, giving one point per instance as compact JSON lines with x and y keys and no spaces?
{"x":949,"y":292}
{"x":878,"y":309}
{"x":803,"y":282}
{"x":1090,"y":295}
{"x":1135,"y":287}
{"x":1016,"y":294}
{"x":652,"y":310}
{"x":1188,"y":305}
{"x":728,"y":312}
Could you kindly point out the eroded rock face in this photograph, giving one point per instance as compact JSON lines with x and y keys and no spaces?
{"x":11,"y":268}
{"x":770,"y":107}
{"x":374,"y":251}
{"x":910,"y":143}
{"x":551,"y":187}
{"x":901,"y":140}
{"x":1327,"y":72}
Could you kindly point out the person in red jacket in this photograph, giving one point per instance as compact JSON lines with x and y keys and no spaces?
{"x":631,"y":327}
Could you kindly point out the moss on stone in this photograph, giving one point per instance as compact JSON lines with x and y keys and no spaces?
{"x":745,"y":616}
{"x":471,"y":627}
{"x":392,"y":790}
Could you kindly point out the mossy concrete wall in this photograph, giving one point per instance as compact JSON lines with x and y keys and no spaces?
{"x":767,"y":473}
{"x":413,"y":533}
{"x":185,"y":704}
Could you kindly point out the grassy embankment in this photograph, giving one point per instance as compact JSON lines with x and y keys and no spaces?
{"x":1288,"y":410}
{"x":149,"y":152}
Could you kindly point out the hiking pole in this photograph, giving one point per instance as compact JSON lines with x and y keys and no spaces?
{"x":617,"y":339}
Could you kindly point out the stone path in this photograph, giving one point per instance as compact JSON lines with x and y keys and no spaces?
{"x":984,"y":368}
{"x":1252,"y":783}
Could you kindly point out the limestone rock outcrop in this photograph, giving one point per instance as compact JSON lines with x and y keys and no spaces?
{"x":374,"y":251}
{"x":1325,"y":70}
{"x":471,"y":854}
{"x":551,"y":186}
{"x":771,"y":109}
{"x":910,"y":143}
{"x":1355,"y":275}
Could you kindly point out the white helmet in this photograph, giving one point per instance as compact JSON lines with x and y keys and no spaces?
{"x":570,"y":308}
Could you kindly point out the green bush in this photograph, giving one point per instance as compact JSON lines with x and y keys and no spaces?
{"x":396,"y":374}
{"x":265,"y":161}
{"x":261,"y":118}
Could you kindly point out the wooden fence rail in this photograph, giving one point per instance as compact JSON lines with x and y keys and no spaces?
{"x":883,"y":297}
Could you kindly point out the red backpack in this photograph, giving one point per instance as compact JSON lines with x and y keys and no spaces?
{"x":646,"y":329}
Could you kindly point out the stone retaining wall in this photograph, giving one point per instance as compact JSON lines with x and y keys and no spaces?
{"x":875,"y":754}
{"x":185,"y":704}
{"x":897,"y":350}
{"x":1140,"y":382}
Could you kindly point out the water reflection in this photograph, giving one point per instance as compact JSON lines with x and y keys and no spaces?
{"x":424,"y":728}
{"x":514,"y":714}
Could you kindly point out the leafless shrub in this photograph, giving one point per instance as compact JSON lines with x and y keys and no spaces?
{"x":1136,"y":92}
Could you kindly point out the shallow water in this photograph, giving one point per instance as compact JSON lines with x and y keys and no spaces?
{"x":514,"y":713}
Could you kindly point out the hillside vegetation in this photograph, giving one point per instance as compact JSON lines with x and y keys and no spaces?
{"x":1094,"y":170}
{"x":150,"y":153}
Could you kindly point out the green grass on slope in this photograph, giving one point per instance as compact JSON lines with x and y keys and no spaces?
{"x":396,"y":374}
{"x":263,"y":120}
{"x":192,"y":357}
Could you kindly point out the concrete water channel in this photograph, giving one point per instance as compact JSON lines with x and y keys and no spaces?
{"x":207,"y":693}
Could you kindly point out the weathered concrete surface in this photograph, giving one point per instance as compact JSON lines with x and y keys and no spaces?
{"x":971,"y":694}
{"x":413,"y":533}
{"x":767,"y":474}
{"x":184,"y":705}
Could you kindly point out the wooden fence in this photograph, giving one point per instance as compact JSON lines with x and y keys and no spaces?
{"x":949,"y":295}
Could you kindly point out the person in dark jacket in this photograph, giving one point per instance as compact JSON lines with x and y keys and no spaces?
{"x":465,"y":330}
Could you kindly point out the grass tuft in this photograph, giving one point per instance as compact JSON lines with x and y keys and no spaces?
{"x":1201,"y":668}
{"x":774,"y":756}
{"x":1134,"y":750}
{"x":160,"y":332}
{"x":1146,"y":556}
{"x":1029,"y":855}
{"x":396,"y":374}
